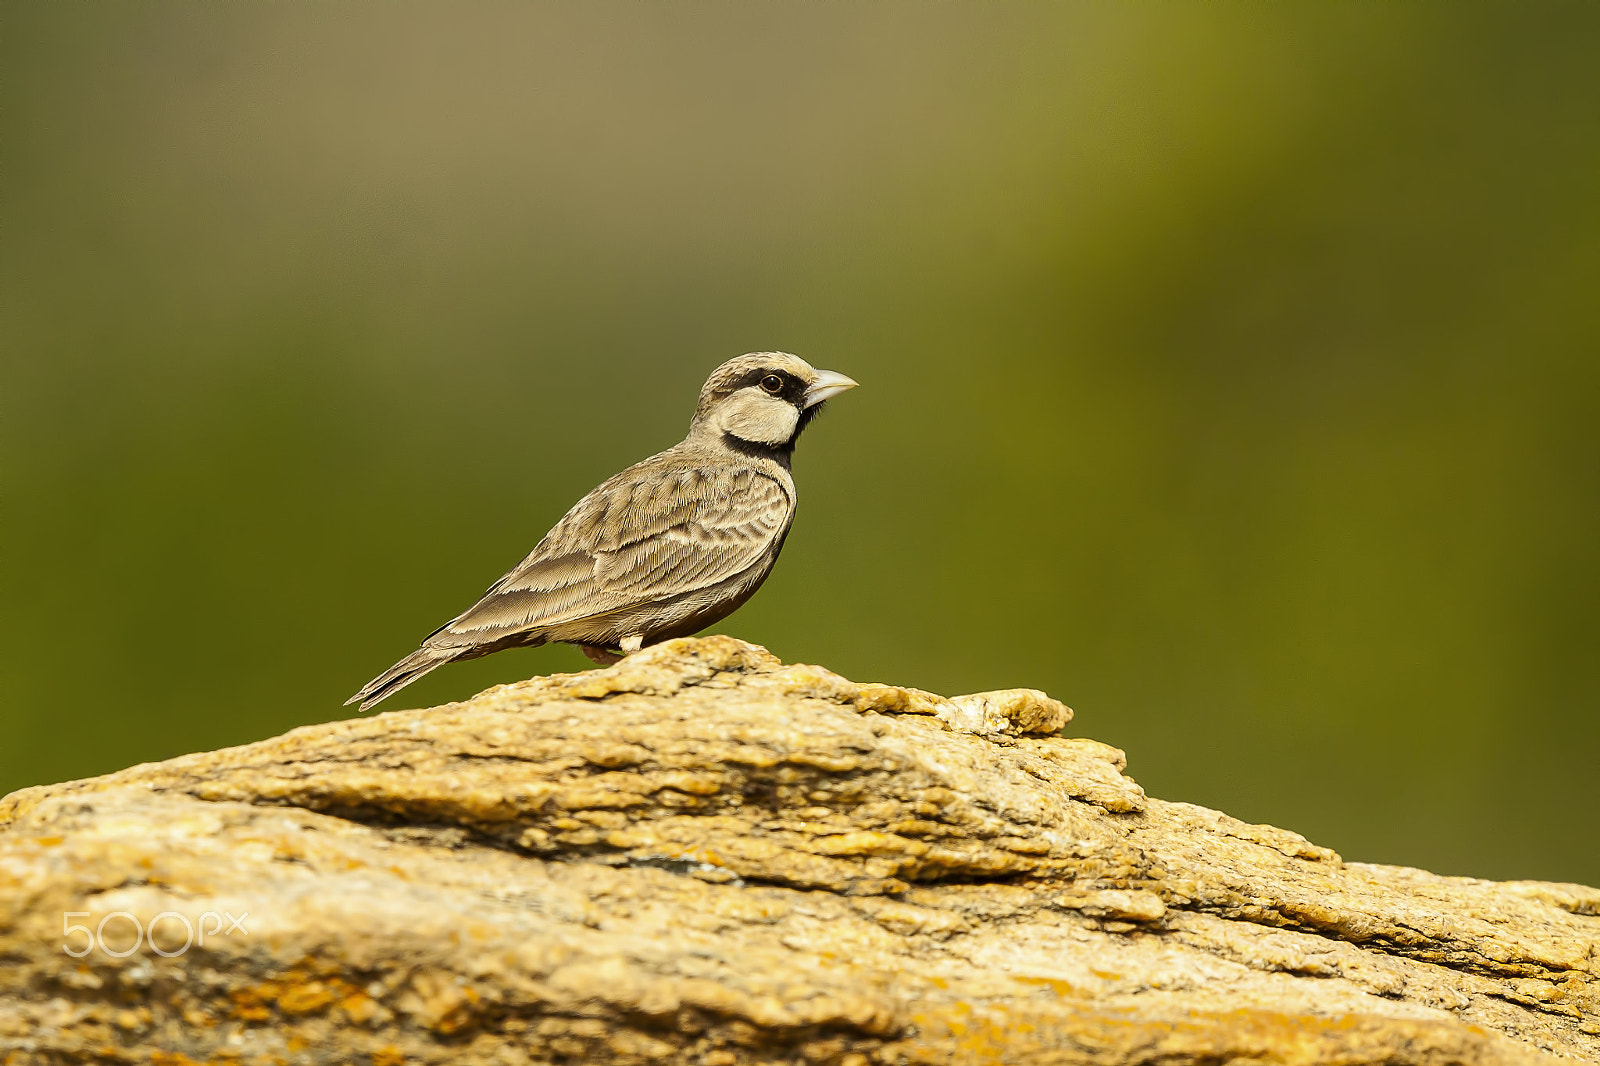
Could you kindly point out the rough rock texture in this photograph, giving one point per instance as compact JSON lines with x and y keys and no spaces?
{"x":701,"y":855}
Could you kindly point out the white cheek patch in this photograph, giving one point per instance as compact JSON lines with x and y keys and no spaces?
{"x":754,"y":416}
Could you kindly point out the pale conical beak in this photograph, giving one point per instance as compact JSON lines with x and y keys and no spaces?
{"x":827,"y":385}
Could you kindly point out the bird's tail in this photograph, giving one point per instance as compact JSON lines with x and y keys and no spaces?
{"x":402,"y":674}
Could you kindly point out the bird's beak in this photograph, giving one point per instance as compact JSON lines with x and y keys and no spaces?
{"x":828,"y":384}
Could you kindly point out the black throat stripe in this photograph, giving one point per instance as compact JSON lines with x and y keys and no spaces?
{"x":782,"y":454}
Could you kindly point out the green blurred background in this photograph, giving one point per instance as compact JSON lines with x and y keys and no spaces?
{"x":1229,"y":370}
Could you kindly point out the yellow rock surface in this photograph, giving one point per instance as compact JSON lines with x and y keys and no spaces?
{"x":701,"y":855}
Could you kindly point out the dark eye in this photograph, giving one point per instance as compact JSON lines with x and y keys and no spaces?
{"x":772,"y":383}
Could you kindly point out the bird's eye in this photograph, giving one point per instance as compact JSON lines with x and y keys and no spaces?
{"x":772,"y":383}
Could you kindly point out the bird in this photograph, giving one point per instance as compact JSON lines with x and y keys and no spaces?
{"x":666,"y":548}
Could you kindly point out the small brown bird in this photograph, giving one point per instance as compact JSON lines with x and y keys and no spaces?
{"x":664,"y":549}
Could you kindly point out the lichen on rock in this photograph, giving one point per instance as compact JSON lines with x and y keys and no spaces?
{"x":703,"y":855}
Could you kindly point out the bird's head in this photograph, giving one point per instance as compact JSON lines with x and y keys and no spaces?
{"x":764,"y":399}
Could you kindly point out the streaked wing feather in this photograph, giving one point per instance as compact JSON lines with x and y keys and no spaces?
{"x":547,"y":573}
{"x":647,"y":534}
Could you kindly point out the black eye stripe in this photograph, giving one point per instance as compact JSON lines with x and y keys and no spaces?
{"x":751,"y":377}
{"x":792,"y":389}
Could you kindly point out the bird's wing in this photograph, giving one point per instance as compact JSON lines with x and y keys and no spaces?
{"x":655,"y":531}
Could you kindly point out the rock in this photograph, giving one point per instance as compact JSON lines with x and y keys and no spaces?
{"x":701,"y":855}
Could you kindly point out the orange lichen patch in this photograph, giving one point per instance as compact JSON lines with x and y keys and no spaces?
{"x":48,"y":842}
{"x":172,"y":1058}
{"x":295,"y":991}
{"x":359,"y":1007}
{"x":1055,"y":985}
{"x":250,"y":1005}
{"x":388,"y":1055}
{"x":303,"y":999}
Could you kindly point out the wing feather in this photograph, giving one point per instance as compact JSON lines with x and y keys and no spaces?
{"x":656,"y":531}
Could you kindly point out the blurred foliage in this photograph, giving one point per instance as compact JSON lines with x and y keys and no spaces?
{"x":1229,"y":370}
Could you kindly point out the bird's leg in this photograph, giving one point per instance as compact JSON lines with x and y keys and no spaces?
{"x":598,"y":655}
{"x":605,"y":656}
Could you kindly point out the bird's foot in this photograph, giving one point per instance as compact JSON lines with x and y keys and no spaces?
{"x":598,"y":655}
